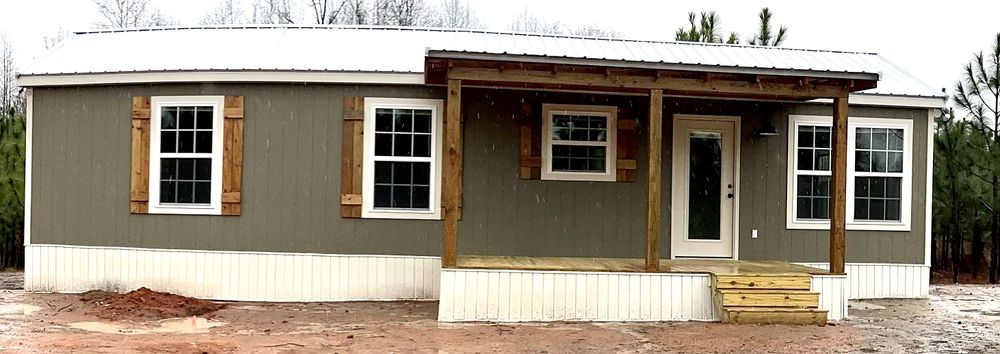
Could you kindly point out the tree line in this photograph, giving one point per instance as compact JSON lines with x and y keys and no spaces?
{"x":966,"y":206}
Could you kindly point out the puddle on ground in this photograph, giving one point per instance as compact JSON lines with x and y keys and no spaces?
{"x":17,"y":309}
{"x":174,"y":325}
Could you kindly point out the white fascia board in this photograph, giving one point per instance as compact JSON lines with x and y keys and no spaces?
{"x":891,"y":101}
{"x":388,"y":78}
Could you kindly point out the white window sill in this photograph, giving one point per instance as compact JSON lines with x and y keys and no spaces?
{"x":578,"y":176}
{"x":185,"y":210}
{"x":851,"y":226}
{"x":400,"y":214}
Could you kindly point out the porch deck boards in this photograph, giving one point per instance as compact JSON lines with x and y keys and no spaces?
{"x":707,"y":266}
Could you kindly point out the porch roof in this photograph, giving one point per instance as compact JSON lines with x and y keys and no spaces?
{"x":319,"y":50}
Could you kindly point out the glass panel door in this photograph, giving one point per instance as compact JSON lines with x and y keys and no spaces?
{"x":704,"y":185}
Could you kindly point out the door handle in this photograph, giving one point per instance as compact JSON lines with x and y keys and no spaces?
{"x":730,"y":195}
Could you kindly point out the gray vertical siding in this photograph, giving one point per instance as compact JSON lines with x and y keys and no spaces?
{"x":81,"y":158}
{"x":292,"y":169}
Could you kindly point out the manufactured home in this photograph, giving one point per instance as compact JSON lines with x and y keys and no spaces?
{"x":509,"y":176}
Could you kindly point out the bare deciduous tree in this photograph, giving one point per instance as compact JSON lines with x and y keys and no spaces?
{"x":51,"y":40}
{"x":399,"y":13}
{"x":128,"y":13}
{"x":273,"y":12}
{"x":8,"y":84}
{"x":526,"y":22}
{"x":327,"y":12}
{"x":594,"y":30}
{"x":454,"y":14}
{"x":227,"y":13}
{"x":356,"y":12}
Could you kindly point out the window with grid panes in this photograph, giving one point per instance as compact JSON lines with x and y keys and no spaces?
{"x":878,"y":174}
{"x":580,"y":143}
{"x":812,"y":172}
{"x":186,"y":154}
{"x":403,"y":158}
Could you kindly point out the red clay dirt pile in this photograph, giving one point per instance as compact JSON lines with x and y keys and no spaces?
{"x":144,"y":304}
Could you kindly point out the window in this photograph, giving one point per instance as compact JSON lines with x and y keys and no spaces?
{"x":579,"y":142}
{"x":185,"y":165}
{"x":401,"y":171}
{"x":878,"y":176}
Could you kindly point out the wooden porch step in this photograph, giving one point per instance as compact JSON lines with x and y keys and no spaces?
{"x":768,"y":298}
{"x":772,"y":315}
{"x":763,"y":281}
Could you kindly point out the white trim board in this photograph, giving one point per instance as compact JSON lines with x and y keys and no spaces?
{"x":884,"y":280}
{"x":28,"y":129}
{"x":234,"y":276}
{"x":862,"y":99}
{"x":929,"y":198}
{"x":387,"y":78}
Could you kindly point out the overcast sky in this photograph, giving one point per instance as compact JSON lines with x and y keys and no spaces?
{"x":931,"y":40}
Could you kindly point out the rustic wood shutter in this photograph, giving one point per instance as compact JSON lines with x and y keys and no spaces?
{"x":232,"y":156}
{"x":531,"y":144}
{"x":352,"y":157}
{"x":139,"y":186}
{"x":628,"y":149}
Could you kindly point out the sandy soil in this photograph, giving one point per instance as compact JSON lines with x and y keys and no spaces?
{"x":955,"y":319}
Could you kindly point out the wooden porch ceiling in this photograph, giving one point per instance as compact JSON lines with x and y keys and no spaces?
{"x":528,"y":75}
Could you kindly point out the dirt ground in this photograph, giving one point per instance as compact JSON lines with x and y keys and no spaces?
{"x":955,"y":319}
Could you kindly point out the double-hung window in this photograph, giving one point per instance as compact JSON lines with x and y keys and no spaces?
{"x":878,"y":173}
{"x":579,"y":142}
{"x":186,"y":155}
{"x":402,"y":162}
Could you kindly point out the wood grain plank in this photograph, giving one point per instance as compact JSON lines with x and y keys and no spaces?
{"x":653,"y":181}
{"x":232,"y":156}
{"x":838,"y":186}
{"x":452,"y":173}
{"x":139,"y":184}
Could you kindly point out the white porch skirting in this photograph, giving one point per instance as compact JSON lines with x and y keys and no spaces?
{"x":885,"y":280}
{"x":236,"y":276}
{"x":518,"y":295}
{"x":833,"y":290}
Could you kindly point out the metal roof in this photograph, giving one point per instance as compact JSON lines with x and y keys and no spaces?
{"x":363,"y":49}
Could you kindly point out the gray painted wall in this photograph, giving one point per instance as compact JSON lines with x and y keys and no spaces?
{"x":292,"y":166}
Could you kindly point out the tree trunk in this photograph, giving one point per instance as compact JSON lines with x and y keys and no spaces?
{"x":977,"y":249}
{"x":994,"y":241}
{"x":956,"y":237}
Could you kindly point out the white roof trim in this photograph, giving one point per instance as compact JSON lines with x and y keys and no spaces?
{"x":222,"y":76}
{"x":891,"y":101}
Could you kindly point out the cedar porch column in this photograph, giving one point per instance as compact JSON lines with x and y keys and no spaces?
{"x":838,"y":185}
{"x":653,"y":185}
{"x":452,"y":172}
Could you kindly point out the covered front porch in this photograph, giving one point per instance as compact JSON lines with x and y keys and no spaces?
{"x":658,"y":286}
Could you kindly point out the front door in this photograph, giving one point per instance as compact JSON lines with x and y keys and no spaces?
{"x":703,"y":193}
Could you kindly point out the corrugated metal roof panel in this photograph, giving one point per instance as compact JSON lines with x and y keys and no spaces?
{"x":393,"y":49}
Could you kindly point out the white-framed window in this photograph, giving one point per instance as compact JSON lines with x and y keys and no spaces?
{"x":185,"y":155}
{"x":579,"y":142}
{"x":879,"y":161}
{"x":402,"y":158}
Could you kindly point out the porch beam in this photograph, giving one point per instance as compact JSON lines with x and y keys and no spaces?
{"x":452,"y":173}
{"x":617,"y":81}
{"x":838,"y":186}
{"x":653,"y":180}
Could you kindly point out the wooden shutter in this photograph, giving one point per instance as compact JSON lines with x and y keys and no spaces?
{"x":139,"y":186}
{"x":232,"y":156}
{"x":628,"y":149}
{"x":531,"y":144}
{"x":352,"y":157}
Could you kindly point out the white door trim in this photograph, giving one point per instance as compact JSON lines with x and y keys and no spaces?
{"x":676,"y":202}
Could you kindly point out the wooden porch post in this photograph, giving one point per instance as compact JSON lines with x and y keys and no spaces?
{"x":452,"y":172}
{"x":653,"y":181}
{"x":838,"y":185}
